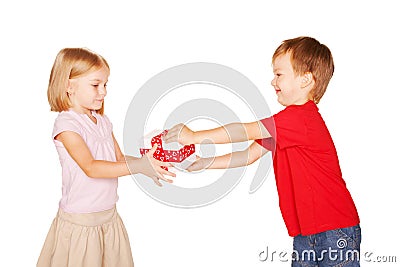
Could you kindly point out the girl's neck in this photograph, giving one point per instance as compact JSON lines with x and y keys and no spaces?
{"x":88,"y":112}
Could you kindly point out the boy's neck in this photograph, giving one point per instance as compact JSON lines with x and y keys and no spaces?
{"x":300,"y":102}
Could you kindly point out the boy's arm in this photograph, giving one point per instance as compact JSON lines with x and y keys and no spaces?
{"x":231,"y":160}
{"x":229,"y":133}
{"x":80,"y":153}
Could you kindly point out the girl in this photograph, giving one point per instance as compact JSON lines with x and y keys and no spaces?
{"x":87,"y":230}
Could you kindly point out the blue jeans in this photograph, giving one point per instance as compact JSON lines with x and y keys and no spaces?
{"x":334,"y":248}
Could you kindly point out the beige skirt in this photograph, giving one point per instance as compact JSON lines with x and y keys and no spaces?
{"x":96,"y":239}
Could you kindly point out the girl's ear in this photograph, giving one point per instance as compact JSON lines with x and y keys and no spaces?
{"x":70,"y":89}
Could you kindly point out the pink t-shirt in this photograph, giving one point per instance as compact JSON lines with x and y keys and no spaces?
{"x":80,"y":193}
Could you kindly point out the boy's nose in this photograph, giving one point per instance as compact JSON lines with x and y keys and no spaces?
{"x":273,"y":82}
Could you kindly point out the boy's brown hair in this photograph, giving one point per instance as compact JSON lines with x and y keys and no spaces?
{"x":71,"y":63}
{"x":309,"y":55}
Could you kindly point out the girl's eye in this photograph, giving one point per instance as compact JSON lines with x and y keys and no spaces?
{"x":95,"y":85}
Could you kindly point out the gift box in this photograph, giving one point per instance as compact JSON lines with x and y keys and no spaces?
{"x":180,"y":156}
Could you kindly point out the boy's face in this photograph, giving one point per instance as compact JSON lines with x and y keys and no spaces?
{"x":290,"y":88}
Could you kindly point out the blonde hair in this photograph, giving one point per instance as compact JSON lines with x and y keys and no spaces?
{"x":71,"y":63}
{"x":309,"y":55}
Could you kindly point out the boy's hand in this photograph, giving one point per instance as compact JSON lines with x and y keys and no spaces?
{"x":200,"y":164}
{"x":151,"y":167}
{"x":180,"y":133}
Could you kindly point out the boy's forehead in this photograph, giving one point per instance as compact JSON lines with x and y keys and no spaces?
{"x":281,"y":62}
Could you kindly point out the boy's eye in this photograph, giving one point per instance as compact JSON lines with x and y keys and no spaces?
{"x":95,"y":85}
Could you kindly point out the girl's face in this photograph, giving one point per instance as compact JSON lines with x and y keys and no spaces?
{"x":87,"y":92}
{"x":290,"y":88}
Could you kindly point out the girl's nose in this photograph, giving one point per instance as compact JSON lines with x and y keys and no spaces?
{"x":103,"y":90}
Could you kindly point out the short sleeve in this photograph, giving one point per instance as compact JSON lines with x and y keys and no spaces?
{"x":287,"y":128}
{"x":64,"y":122}
{"x":268,"y":143}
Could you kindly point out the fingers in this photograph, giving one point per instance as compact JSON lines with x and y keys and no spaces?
{"x":156,"y":181}
{"x":173,"y":133}
{"x":159,"y":176}
{"x":165,"y":172}
{"x":194,"y":167}
{"x":191,"y":168}
{"x":166,"y":179}
{"x":201,"y":164}
{"x":164,"y":164}
{"x":171,"y":136}
{"x":152,"y":150}
{"x":176,"y":128}
{"x":160,"y":172}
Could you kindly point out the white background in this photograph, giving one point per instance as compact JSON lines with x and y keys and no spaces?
{"x":141,"y":39}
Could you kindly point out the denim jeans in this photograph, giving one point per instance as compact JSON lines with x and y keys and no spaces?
{"x":333,"y":248}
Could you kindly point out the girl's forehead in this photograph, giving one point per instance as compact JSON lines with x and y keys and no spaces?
{"x":98,"y":74}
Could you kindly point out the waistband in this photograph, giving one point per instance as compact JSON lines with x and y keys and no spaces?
{"x":89,"y":219}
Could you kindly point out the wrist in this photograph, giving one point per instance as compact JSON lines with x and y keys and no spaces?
{"x":195,"y":138}
{"x":134,"y":165}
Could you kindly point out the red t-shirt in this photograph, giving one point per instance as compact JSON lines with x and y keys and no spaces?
{"x":313,"y":197}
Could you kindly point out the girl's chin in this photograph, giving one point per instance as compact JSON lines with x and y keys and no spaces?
{"x":97,"y":105}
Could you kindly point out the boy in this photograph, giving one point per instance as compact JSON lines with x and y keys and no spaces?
{"x":316,"y":206}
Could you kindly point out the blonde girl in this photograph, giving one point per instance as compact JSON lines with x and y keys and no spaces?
{"x":87,"y":230}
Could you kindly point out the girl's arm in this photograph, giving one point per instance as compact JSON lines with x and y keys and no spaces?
{"x":118,"y":153}
{"x":80,"y":153}
{"x":231,"y":160}
{"x":229,"y":133}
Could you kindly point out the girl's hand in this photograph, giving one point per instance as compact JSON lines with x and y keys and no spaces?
{"x":151,"y":167}
{"x":180,"y":133}
{"x":200,"y":164}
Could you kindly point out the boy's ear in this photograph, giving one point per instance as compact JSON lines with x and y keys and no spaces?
{"x":307,"y":79}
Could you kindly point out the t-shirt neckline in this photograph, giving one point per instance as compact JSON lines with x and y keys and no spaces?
{"x":86,"y":117}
